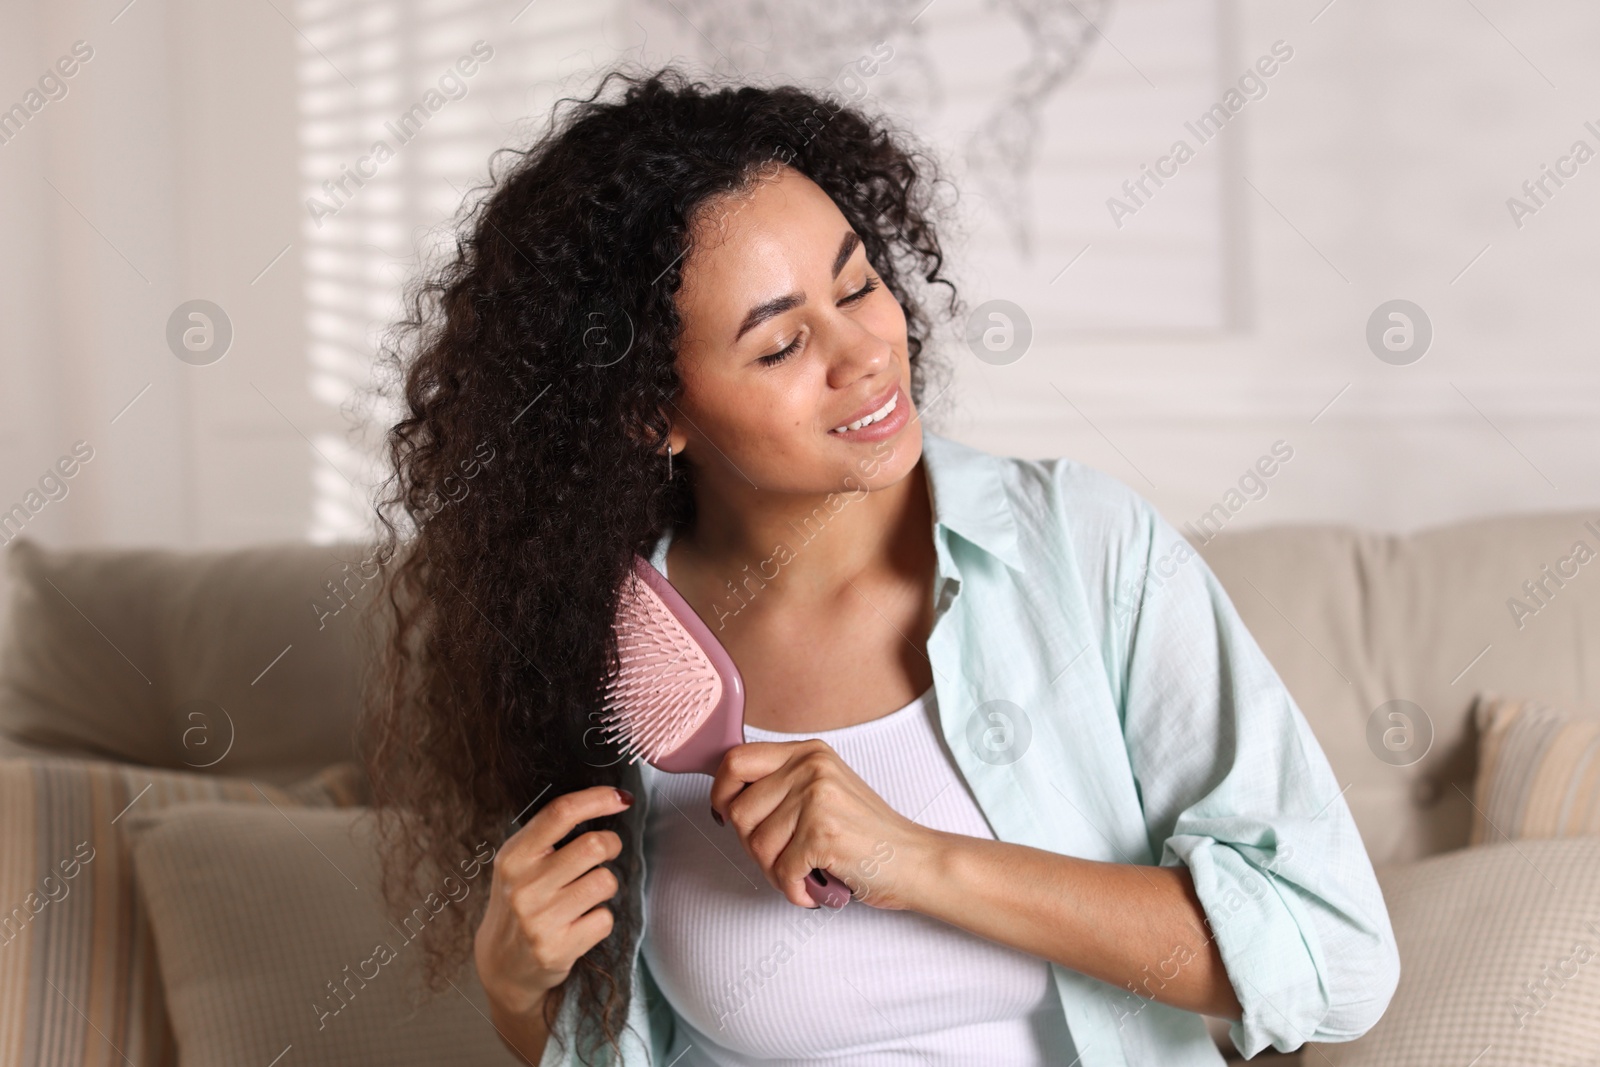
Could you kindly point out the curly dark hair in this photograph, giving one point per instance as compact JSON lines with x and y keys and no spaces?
{"x":537,"y":369}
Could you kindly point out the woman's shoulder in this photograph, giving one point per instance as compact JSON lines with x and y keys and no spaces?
{"x":1061,"y":497}
{"x":1055,"y":487}
{"x":1063,"y":513}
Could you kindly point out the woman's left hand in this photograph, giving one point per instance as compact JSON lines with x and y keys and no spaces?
{"x":796,"y":806}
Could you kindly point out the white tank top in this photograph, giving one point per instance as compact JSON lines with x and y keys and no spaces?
{"x":753,"y":979}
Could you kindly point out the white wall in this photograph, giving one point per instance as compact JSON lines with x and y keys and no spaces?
{"x":1391,"y":144}
{"x":165,"y":173}
{"x":1377,"y":167}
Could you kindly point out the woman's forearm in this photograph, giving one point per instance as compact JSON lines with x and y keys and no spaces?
{"x":1137,"y":927}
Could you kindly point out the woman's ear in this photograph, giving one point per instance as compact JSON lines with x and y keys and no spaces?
{"x":639,"y":432}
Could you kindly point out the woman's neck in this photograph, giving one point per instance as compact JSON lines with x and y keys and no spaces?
{"x":806,"y":549}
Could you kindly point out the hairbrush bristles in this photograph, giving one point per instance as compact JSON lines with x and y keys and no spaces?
{"x":665,"y":686}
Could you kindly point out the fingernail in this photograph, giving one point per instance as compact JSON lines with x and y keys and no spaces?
{"x":716,"y":817}
{"x":626,"y":797}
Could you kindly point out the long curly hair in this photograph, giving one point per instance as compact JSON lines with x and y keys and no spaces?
{"x":537,"y":373}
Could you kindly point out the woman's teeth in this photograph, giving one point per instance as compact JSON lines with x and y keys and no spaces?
{"x":874,"y":417}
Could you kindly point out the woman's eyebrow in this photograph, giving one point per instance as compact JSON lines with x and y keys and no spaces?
{"x":779,"y":304}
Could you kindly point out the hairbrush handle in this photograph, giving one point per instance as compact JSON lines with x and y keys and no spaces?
{"x":826,"y":890}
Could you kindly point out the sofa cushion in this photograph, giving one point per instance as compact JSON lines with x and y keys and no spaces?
{"x":1500,"y":959}
{"x":1538,"y":771}
{"x":78,"y":973}
{"x":272,"y":938}
{"x":230,"y":662}
{"x":1357,"y":620}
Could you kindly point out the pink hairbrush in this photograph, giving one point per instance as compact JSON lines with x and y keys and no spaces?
{"x":677,"y":701}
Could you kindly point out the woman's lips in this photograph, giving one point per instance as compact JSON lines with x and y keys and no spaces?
{"x":887,"y":426}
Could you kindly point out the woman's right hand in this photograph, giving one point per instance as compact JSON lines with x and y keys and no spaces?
{"x":546,"y":908}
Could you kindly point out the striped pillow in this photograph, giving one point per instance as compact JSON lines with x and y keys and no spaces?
{"x":79,"y":982}
{"x":276,"y":946}
{"x":1538,"y":771}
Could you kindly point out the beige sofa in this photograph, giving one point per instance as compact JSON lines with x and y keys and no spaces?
{"x":238,"y":670}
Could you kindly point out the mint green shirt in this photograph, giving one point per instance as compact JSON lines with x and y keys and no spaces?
{"x":1102,"y":698}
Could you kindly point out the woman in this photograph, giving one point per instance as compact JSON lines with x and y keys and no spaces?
{"x":1002,"y":700}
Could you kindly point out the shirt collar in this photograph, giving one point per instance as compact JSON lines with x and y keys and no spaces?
{"x":969,"y":496}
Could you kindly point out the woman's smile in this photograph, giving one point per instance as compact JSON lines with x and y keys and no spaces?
{"x":880,"y":423}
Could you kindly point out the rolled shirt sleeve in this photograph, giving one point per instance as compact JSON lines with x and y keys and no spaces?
{"x":1235,"y":786}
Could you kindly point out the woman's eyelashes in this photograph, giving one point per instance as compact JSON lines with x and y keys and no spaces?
{"x":780,"y":355}
{"x":794,"y":346}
